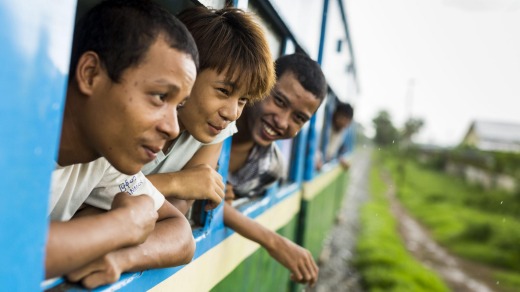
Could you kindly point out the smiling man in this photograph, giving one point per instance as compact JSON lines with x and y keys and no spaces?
{"x":133,"y":64}
{"x":256,"y":163}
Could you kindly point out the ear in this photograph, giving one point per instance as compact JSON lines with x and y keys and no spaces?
{"x":88,"y":72}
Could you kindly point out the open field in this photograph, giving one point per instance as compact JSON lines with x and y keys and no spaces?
{"x":480,"y":225}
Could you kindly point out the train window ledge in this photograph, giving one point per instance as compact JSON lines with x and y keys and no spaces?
{"x":251,"y":207}
{"x":334,"y":162}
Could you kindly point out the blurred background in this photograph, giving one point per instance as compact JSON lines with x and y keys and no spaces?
{"x":437,"y":111}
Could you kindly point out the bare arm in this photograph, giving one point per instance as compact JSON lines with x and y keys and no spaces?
{"x":198,"y":180}
{"x":295,"y":258}
{"x":74,"y":243}
{"x":170,"y":244}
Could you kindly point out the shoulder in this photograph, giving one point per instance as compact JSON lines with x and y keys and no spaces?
{"x":277,"y":158}
{"x":96,"y":168}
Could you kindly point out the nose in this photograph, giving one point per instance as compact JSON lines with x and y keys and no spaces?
{"x":281,"y":120}
{"x":169,"y":124}
{"x":231,"y":111}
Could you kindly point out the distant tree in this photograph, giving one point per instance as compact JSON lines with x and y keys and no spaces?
{"x":386,"y":133}
{"x":411,"y":127}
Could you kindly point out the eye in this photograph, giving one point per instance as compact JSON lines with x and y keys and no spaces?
{"x":224,"y":91}
{"x":243,"y":100}
{"x":181,"y":104}
{"x":158,"y":98}
{"x":278,"y":100}
{"x":300,"y":119}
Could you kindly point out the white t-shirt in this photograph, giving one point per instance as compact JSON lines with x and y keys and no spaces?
{"x":336,"y":139}
{"x":182,"y":151}
{"x":95,"y":183}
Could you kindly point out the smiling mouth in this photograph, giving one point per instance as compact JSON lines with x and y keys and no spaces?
{"x":270,"y":131}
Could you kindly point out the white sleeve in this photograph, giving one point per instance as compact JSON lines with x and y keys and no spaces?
{"x":114,"y":182}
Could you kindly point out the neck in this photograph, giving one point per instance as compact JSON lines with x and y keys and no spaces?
{"x":244,"y":132}
{"x":74,"y":146}
{"x":242,"y":140}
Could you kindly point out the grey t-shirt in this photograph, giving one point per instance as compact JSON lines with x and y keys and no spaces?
{"x":263,"y":167}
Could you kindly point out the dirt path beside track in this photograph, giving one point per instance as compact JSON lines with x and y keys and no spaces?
{"x":460,"y":275}
{"x":336,"y":270}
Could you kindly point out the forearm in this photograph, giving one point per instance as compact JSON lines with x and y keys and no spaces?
{"x":74,"y":243}
{"x":170,"y":244}
{"x":166,"y":183}
{"x":297,"y":259}
{"x":249,"y":228}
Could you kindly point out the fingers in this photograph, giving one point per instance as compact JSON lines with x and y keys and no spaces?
{"x":297,"y":275}
{"x":311,"y":269}
{"x":100,"y":278}
{"x":306,"y":271}
{"x":79,"y":274}
{"x":229,"y":193}
{"x":220,"y":181}
{"x":210,"y":205}
{"x":100,"y":272}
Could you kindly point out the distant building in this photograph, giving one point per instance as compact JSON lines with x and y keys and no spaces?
{"x":493,"y":136}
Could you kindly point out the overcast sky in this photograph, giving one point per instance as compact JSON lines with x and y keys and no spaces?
{"x":462,"y":55}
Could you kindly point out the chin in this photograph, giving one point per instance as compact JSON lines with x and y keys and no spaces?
{"x":262,"y":142}
{"x":205,"y":138}
{"x":128,"y":168}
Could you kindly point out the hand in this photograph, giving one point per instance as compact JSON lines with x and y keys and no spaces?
{"x":230,"y":194}
{"x":297,"y":259}
{"x":139,"y":215}
{"x":104,"y":270}
{"x":344,"y":163}
{"x":200,"y":182}
{"x":318,"y":159}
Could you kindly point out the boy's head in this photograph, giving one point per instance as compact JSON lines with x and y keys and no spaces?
{"x":121,"y":31}
{"x":236,"y":67}
{"x":133,"y":64}
{"x":342,"y":116}
{"x":299,"y":91}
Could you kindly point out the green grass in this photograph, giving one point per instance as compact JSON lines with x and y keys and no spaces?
{"x":381,"y":258}
{"x":481,"y":225}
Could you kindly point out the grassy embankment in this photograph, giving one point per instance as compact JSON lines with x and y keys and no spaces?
{"x":382,"y":259}
{"x":481,"y":225}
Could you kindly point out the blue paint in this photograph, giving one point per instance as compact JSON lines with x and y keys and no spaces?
{"x":312,"y":140}
{"x":33,"y":91}
{"x":297,"y":165}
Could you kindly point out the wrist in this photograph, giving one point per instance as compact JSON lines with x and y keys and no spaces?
{"x":173,"y":185}
{"x":271,"y":241}
{"x":129,"y":232}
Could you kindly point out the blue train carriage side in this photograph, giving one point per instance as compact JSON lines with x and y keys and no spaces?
{"x":36,"y":40}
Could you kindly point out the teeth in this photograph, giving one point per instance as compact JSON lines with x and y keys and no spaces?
{"x":269,"y":130}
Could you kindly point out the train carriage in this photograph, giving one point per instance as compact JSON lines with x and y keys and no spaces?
{"x":36,"y":42}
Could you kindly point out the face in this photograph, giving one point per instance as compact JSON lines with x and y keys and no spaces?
{"x":214,"y":102}
{"x":283,"y":113}
{"x":128,"y":122}
{"x":341,"y":122}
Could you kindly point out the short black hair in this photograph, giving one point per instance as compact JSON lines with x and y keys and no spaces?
{"x":306,"y":71}
{"x":344,"y":109}
{"x":121,"y":32}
